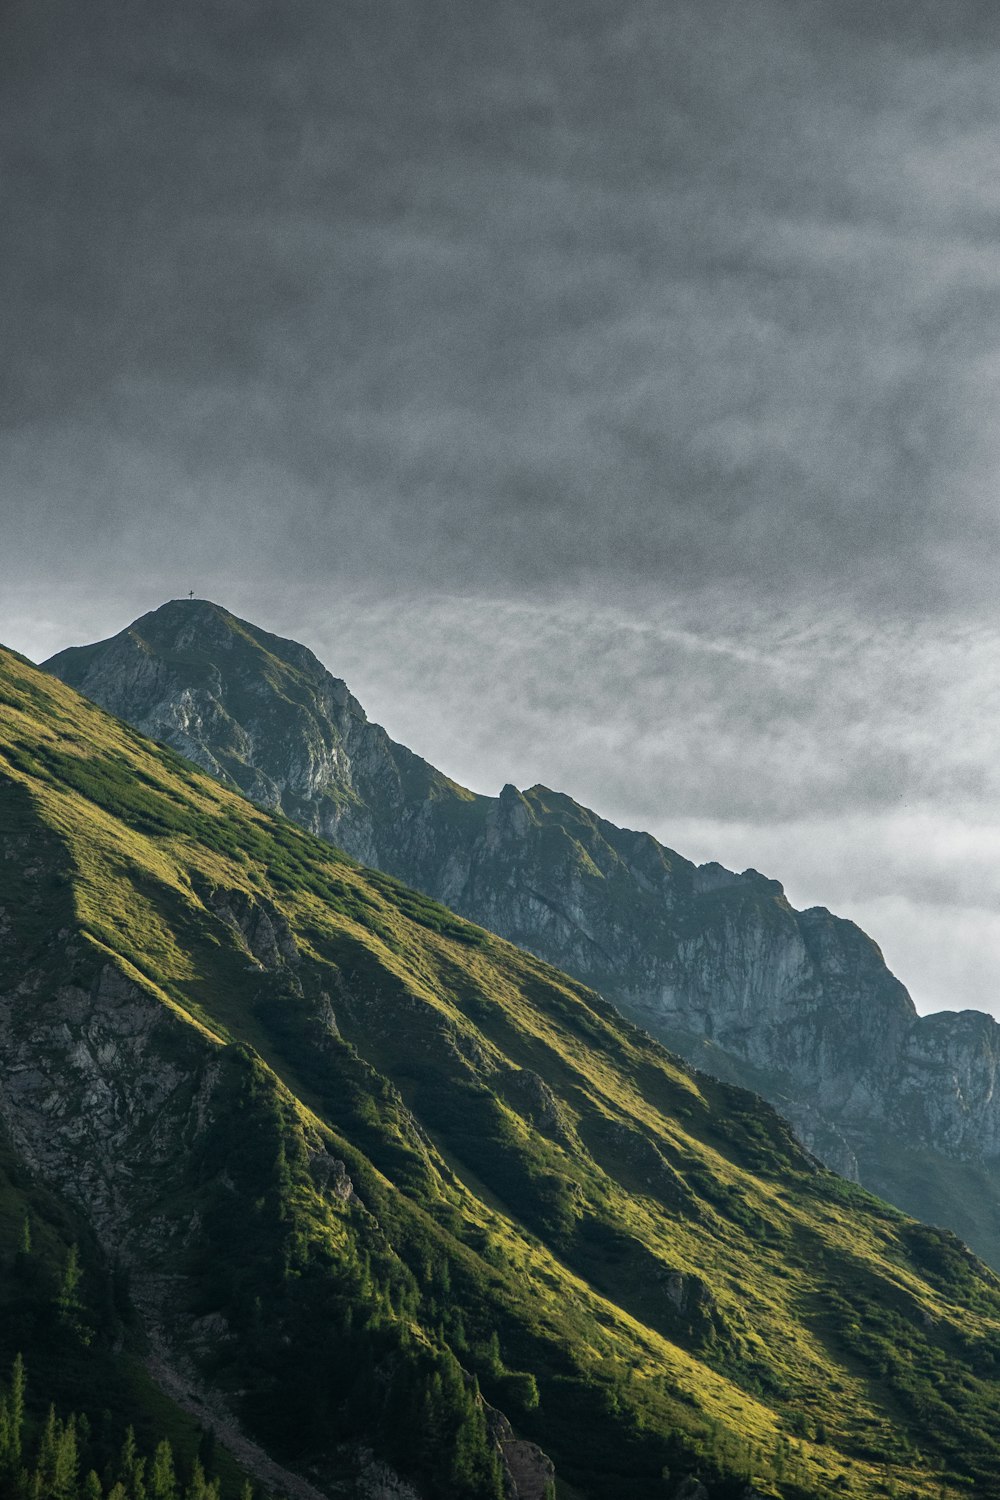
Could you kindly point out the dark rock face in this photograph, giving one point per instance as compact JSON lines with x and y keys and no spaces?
{"x":797,"y":1005}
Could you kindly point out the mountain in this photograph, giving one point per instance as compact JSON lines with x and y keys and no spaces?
{"x":408,"y":1212}
{"x":798,"y":1006}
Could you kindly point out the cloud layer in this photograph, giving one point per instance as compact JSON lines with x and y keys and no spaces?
{"x":507,"y":296}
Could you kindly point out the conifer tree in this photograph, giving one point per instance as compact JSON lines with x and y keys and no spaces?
{"x":48,"y":1446}
{"x":66,"y":1464}
{"x":162,"y":1479}
{"x":92,"y":1487}
{"x":68,"y":1301}
{"x":132,"y":1468}
{"x":128,"y":1456}
{"x":197,"y":1486}
{"x":5,"y":1434}
{"x":18,"y":1385}
{"x":493,"y":1358}
{"x":69,"y":1287}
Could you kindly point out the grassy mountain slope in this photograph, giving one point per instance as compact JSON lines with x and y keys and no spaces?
{"x":364,"y":1160}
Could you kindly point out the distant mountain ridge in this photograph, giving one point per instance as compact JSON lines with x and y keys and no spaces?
{"x":799,"y":1006}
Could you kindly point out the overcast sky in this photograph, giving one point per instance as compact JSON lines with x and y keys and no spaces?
{"x":606,"y":388}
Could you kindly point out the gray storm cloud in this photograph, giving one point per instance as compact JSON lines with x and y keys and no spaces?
{"x":644,"y":355}
{"x":497,"y":297}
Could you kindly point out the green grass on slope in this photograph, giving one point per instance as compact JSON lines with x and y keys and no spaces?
{"x":636,"y":1264}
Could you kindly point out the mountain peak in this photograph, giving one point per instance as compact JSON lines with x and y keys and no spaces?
{"x":204,"y":611}
{"x":185,"y":635}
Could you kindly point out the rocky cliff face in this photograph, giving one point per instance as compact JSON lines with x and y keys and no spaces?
{"x":798,"y":1005}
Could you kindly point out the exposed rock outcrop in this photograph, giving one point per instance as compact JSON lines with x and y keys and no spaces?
{"x":529,"y":1474}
